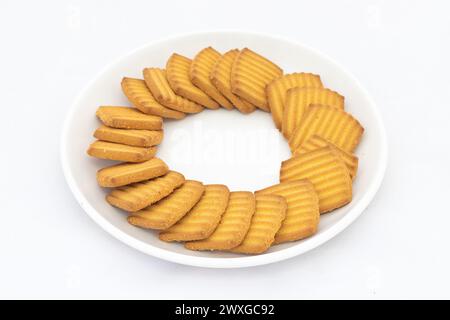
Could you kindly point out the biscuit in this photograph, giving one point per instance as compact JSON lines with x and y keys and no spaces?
{"x":168,"y":211}
{"x":269,"y":215}
{"x":140,"y":96}
{"x":127,"y":173}
{"x":277,"y":89}
{"x":221,"y":78}
{"x":137,"y":138}
{"x":250,"y":75}
{"x":157,"y":83}
{"x":128,"y":118}
{"x":139,"y":195}
{"x":120,"y":152}
{"x":302,"y":215}
{"x":177,"y":72}
{"x":316,"y":142}
{"x":326,"y":171}
{"x":335,"y":125}
{"x":202,"y":220}
{"x":232,"y":227}
{"x":298,"y":100}
{"x":199,"y":72}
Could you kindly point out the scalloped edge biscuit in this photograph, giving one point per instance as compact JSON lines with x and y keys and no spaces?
{"x":221,"y":78}
{"x":177,"y":72}
{"x":140,"y":96}
{"x":250,"y":75}
{"x":199,"y":73}
{"x":166,"y":212}
{"x":202,"y":220}
{"x":156,"y":81}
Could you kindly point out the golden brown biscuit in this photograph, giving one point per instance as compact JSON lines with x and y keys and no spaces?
{"x":276,"y":91}
{"x":120,"y":152}
{"x":203,"y":218}
{"x":138,"y":138}
{"x":221,"y":79}
{"x":127,"y":173}
{"x":156,"y":81}
{"x":200,"y":70}
{"x":128,"y":118}
{"x":269,"y":215}
{"x":298,"y":100}
{"x":140,"y":96}
{"x":232,"y":227}
{"x":177,"y":72}
{"x":315,"y":142}
{"x":335,"y":125}
{"x":168,"y":211}
{"x":250,"y":75}
{"x":302,"y":215}
{"x":326,"y":171}
{"x":139,"y":195}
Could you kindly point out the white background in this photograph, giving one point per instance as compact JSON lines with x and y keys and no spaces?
{"x":397,"y":249}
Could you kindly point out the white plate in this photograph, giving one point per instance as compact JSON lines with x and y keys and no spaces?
{"x":209,"y":167}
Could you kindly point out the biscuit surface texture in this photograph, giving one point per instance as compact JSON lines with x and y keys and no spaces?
{"x":277,"y":89}
{"x":302,"y":214}
{"x":140,"y":195}
{"x":269,"y":215}
{"x":250,"y":75}
{"x":120,"y":152}
{"x":203,"y":218}
{"x":156,"y":81}
{"x":316,"y":142}
{"x":200,"y":71}
{"x":232,"y":227}
{"x":128,"y":118}
{"x":131,"y":137}
{"x":140,"y":96}
{"x":299,"y":99}
{"x":127,"y":173}
{"x":221,"y":79}
{"x":177,"y":69}
{"x":168,"y":211}
{"x":325,"y":169}
{"x":333,"y":124}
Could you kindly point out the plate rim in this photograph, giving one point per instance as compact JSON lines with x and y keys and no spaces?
{"x":211,"y":262}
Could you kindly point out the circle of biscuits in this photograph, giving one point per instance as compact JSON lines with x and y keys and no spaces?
{"x":315,"y":180}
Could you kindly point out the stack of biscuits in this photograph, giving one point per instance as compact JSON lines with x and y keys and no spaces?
{"x":315,"y":180}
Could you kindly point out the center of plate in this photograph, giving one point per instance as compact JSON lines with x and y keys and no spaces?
{"x":222,"y":146}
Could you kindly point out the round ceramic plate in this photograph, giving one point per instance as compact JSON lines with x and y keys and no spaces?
{"x":219,"y":146}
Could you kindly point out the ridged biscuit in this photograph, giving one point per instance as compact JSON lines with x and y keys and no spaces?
{"x":315,"y":142}
{"x":140,"y":96}
{"x":326,"y":171}
{"x":202,"y":220}
{"x":335,"y":125}
{"x":120,"y":152}
{"x":302,"y":215}
{"x":127,"y":173}
{"x":177,"y":72}
{"x":156,"y":81}
{"x":250,"y":75}
{"x":199,"y":72}
{"x":276,"y":91}
{"x":168,"y":211}
{"x":299,"y":99}
{"x":269,"y":215}
{"x":128,"y":118}
{"x":221,"y":78}
{"x":139,"y":195}
{"x":233,"y":226}
{"x":137,"y":138}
